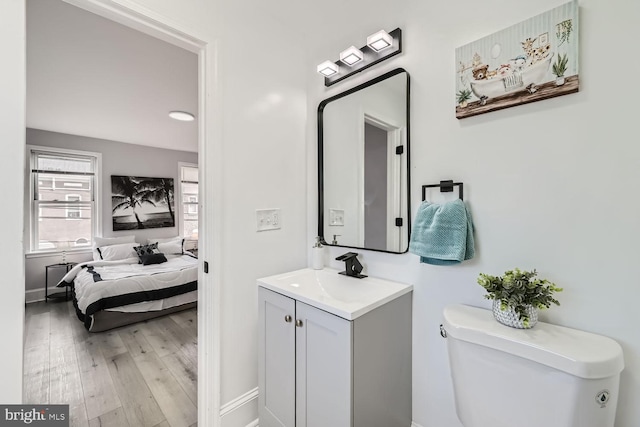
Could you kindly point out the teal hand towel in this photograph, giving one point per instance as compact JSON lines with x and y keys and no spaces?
{"x":442,"y":234}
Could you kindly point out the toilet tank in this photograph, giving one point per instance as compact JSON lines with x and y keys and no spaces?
{"x":548,"y":376}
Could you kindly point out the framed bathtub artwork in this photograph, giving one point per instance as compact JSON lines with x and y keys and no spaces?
{"x":534,"y":60}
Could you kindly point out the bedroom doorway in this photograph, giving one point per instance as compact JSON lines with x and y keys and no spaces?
{"x":163,"y":347}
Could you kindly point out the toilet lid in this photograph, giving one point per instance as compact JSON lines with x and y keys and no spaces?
{"x":576,"y":352}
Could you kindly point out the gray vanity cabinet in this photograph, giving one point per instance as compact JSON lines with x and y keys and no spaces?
{"x":317,"y":369}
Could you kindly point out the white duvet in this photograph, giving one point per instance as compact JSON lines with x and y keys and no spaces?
{"x":127,"y":276}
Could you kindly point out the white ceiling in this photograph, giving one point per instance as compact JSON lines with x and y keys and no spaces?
{"x":90,"y":76}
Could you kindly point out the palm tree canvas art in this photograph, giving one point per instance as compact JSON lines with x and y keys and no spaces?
{"x":141,"y":202}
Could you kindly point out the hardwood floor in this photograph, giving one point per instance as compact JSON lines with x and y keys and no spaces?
{"x":141,"y":375}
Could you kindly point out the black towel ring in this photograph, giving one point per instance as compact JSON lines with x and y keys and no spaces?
{"x":445,"y":187}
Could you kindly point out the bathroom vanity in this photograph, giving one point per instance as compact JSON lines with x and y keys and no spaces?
{"x":334,"y":351}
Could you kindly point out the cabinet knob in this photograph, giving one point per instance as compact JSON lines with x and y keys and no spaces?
{"x":299,"y":323}
{"x":288,"y":318}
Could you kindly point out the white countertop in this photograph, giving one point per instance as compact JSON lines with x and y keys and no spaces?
{"x":347,"y":297}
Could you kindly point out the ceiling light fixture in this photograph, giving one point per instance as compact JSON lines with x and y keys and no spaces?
{"x":379,"y":41}
{"x":351,"y":56}
{"x":380,"y":46}
{"x":328,"y":68}
{"x":182,"y":116}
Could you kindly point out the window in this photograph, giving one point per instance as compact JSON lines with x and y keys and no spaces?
{"x":64,"y":201}
{"x":189,"y":195}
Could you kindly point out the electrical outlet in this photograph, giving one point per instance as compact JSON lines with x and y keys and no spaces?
{"x":336,"y":217}
{"x":268,"y":219}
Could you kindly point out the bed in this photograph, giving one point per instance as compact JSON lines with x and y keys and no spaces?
{"x":122,"y":286}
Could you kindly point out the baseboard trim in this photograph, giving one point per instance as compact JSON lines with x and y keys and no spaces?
{"x":255,"y":424}
{"x":248,"y":397}
{"x":34,"y":295}
{"x":239,"y":402}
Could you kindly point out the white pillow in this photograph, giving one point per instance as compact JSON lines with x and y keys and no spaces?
{"x":118,"y":252}
{"x":99,"y":242}
{"x":171,"y":246}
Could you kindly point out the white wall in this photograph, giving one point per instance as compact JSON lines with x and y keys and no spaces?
{"x":264,"y":167}
{"x":550,"y":184}
{"x":12,"y":130}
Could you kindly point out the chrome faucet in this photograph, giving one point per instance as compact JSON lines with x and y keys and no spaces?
{"x":353,"y":268}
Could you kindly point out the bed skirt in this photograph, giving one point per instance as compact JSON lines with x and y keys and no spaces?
{"x":105,"y":320}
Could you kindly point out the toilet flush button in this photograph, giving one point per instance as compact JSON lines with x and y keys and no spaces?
{"x":602,"y":398}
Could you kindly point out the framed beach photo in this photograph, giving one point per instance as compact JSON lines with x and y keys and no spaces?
{"x":142,"y":202}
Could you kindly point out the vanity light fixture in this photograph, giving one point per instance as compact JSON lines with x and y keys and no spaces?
{"x":380,"y":46}
{"x":379,"y":41}
{"x":183,"y":116}
{"x":351,"y":56}
{"x":328,"y":68}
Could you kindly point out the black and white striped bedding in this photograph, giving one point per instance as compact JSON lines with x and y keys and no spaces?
{"x":126,"y":285}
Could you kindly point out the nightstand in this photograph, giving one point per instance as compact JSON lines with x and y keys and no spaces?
{"x":56,"y":272}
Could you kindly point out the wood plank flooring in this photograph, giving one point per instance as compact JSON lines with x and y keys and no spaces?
{"x":141,"y":375}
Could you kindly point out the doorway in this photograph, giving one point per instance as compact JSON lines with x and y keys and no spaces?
{"x":382,"y":198}
{"x":207,"y":393}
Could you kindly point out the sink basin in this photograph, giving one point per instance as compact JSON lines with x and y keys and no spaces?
{"x":327,"y":290}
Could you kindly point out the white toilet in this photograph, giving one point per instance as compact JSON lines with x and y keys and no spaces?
{"x":547,"y":376}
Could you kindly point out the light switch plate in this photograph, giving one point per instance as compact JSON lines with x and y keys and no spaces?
{"x":336,"y":216}
{"x":268,"y":219}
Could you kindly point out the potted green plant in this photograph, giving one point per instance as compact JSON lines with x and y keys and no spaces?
{"x":517,"y":296}
{"x":463,"y":97}
{"x":559,"y":68}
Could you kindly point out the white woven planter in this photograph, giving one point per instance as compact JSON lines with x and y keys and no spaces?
{"x":511,"y":318}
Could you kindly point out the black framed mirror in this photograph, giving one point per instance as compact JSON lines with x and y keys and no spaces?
{"x":363,"y":165}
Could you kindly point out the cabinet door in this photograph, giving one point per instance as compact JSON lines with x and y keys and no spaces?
{"x":276,"y":367}
{"x":323,"y":369}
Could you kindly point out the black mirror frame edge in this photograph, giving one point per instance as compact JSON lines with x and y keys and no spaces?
{"x":321,"y":152}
